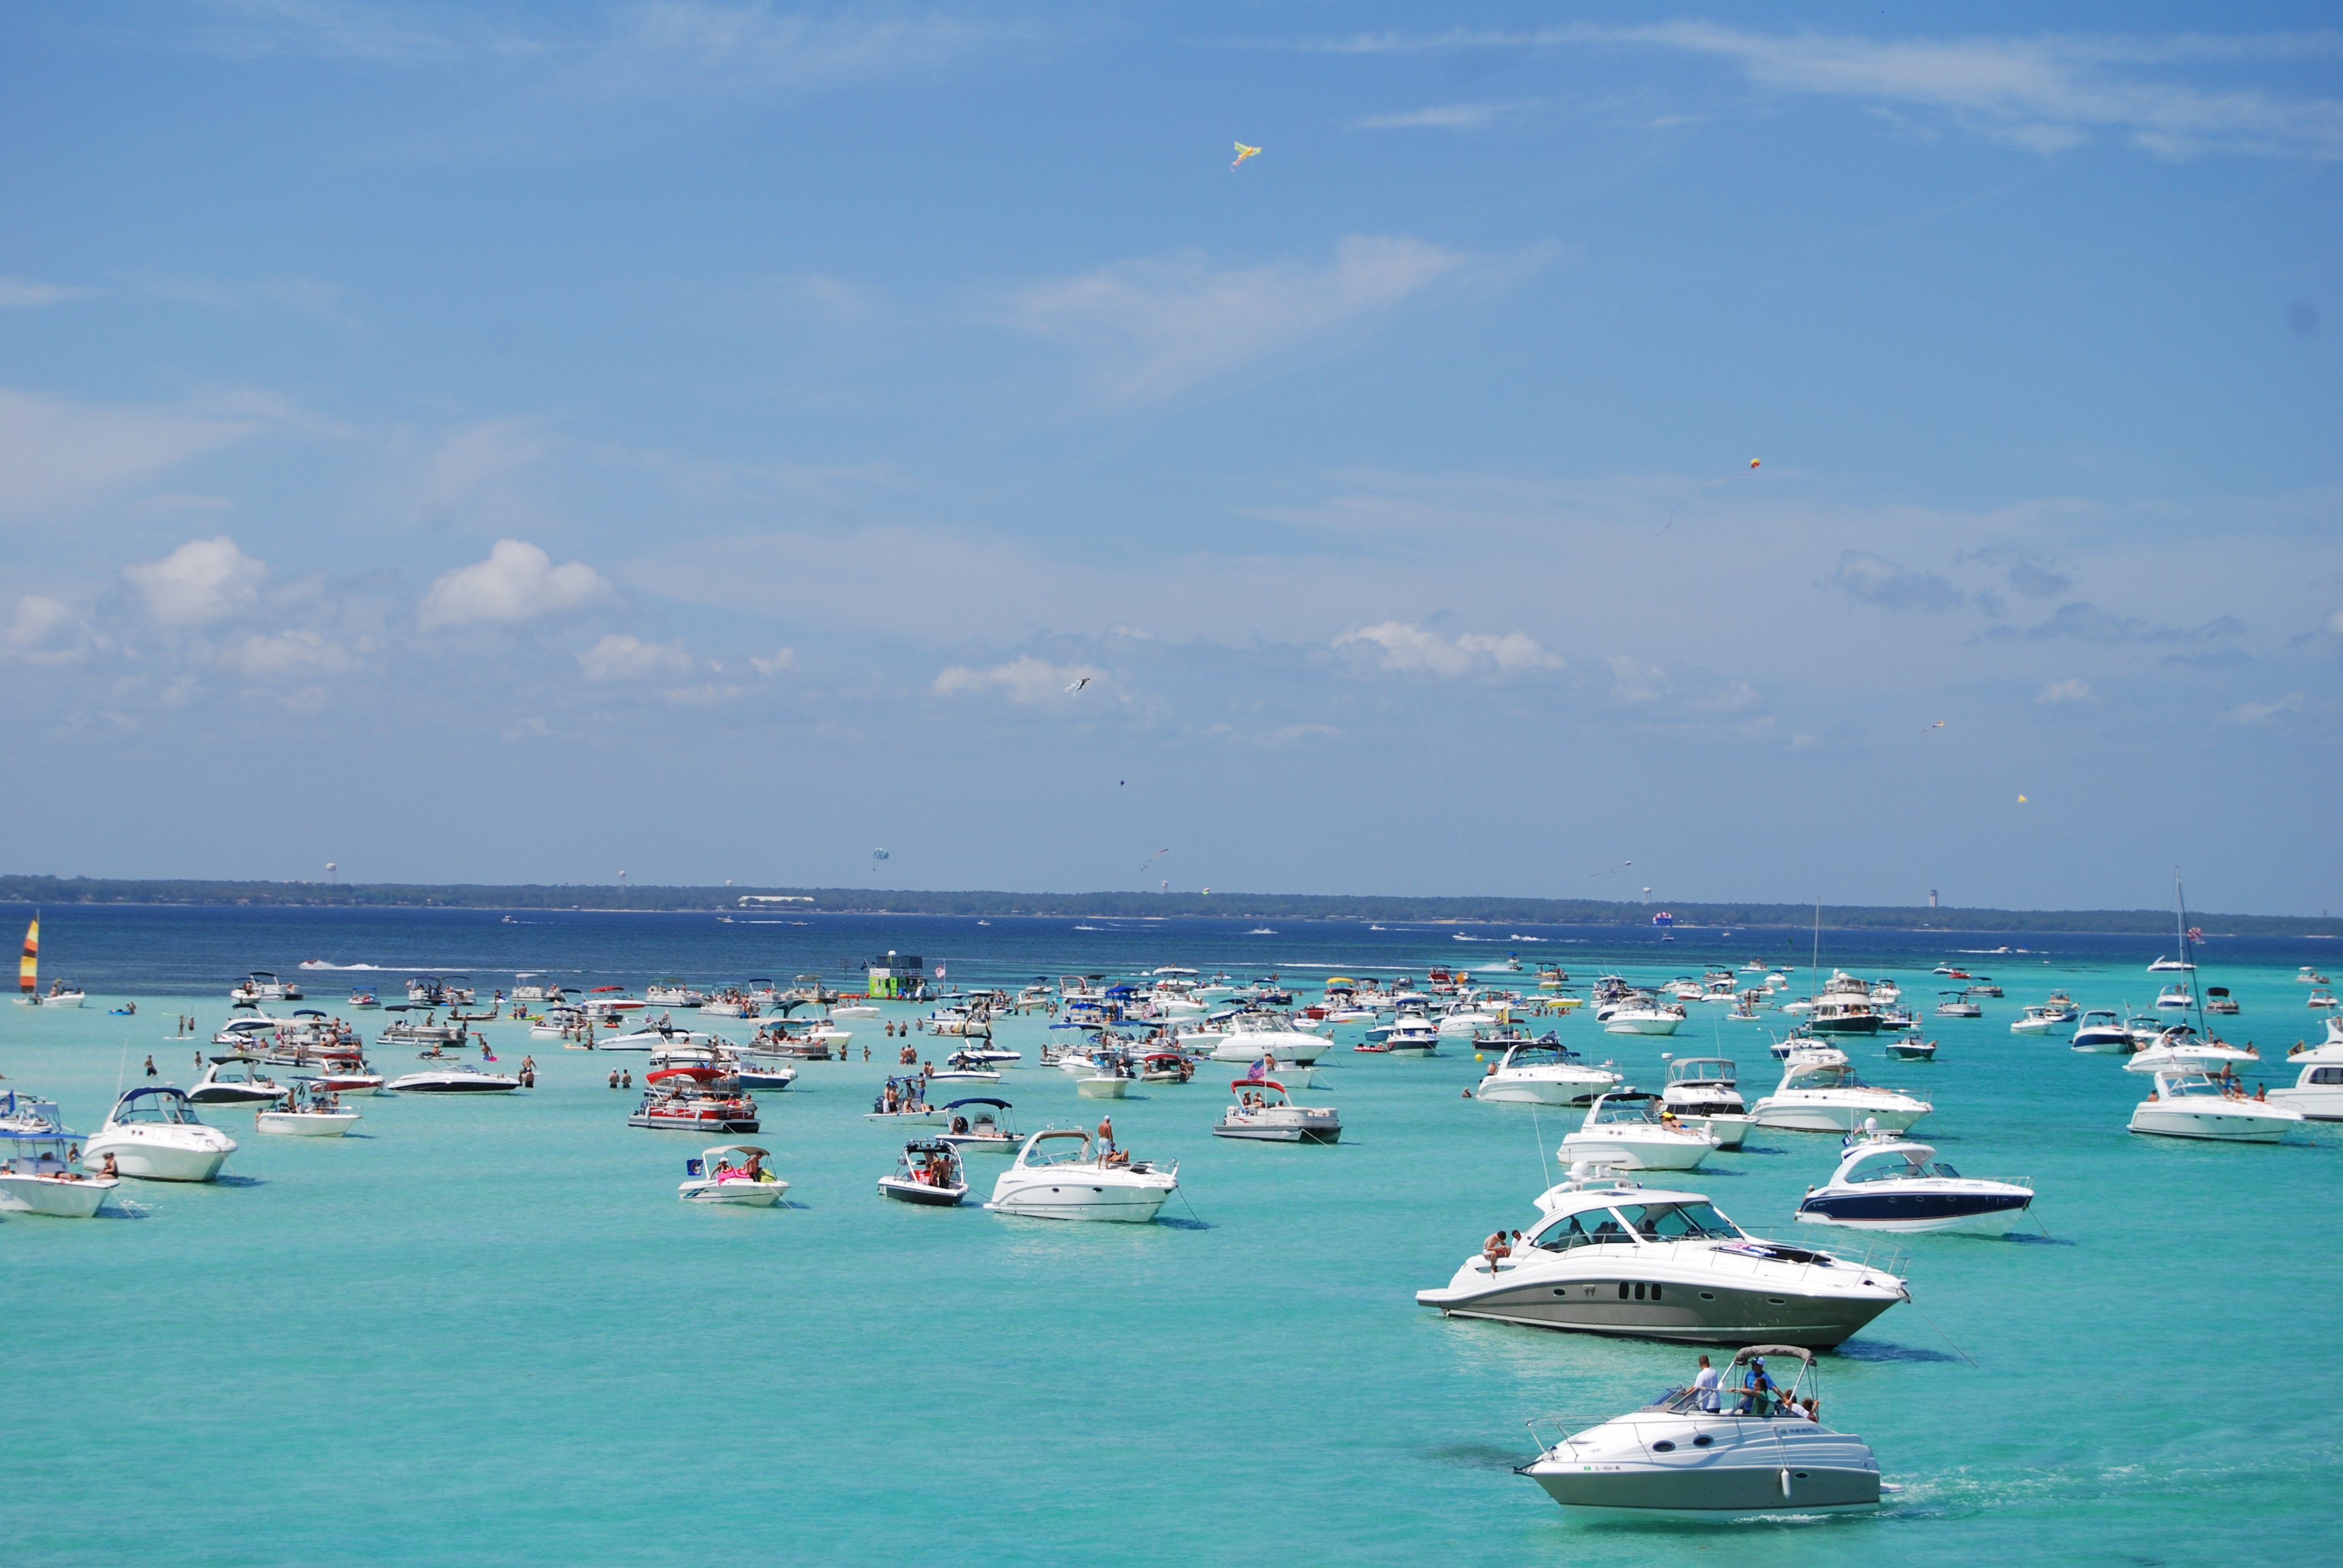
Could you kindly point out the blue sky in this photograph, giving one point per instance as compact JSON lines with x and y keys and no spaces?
{"x":707,"y":440}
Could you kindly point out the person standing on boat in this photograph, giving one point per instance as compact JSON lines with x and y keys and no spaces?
{"x":1704,"y":1384}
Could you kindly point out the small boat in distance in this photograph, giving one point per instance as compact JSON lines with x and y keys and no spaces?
{"x":1262,"y":1112}
{"x":927,"y":1172}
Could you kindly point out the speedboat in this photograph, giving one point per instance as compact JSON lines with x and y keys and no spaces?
{"x":1609,"y":1257}
{"x":1632,"y":1130}
{"x":2218,"y":999}
{"x":261,"y":986}
{"x":1543,"y":1073}
{"x":1885,"y":1182}
{"x":2175,"y":997}
{"x":2102,"y":1030}
{"x":231,"y":1080}
{"x":1912,"y":1047}
{"x":1411,"y":1036}
{"x":1252,"y":1034}
{"x":979,"y":1123}
{"x":2040,"y":1019}
{"x":1261,"y":1111}
{"x":2318,"y":998}
{"x":1702,"y":1092}
{"x":2183,"y":1047}
{"x":37,"y":1174}
{"x":927,"y":1172}
{"x":1651,"y":1018}
{"x":306,"y":1113}
{"x":1818,"y":1094}
{"x":1959,"y":1004}
{"x":2170,"y":966}
{"x":1057,"y":1177}
{"x":1745,"y":1448}
{"x":714,"y":1178}
{"x":2318,"y":1090}
{"x":2186,"y":1104}
{"x":153,"y":1133}
{"x":453,"y":1078}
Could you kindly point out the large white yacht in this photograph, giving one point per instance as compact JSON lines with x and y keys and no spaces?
{"x":453,"y":1078}
{"x":1703,"y":1092}
{"x":1253,"y":1035}
{"x":1543,"y":1073}
{"x":1057,"y":1176}
{"x":232,"y":1080}
{"x":2318,"y":1090}
{"x":1654,"y":1017}
{"x":2182,"y":1047}
{"x":1745,"y":1448}
{"x":1625,"y":1127}
{"x":153,"y":1133}
{"x":2191,"y":1105}
{"x":1819,"y":1092}
{"x":1609,"y":1257}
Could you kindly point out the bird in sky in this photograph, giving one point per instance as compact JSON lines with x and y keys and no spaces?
{"x":1245,"y":152}
{"x":1938,"y":725}
{"x":1077,"y":685}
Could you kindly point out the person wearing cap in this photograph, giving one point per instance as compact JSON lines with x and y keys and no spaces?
{"x":1756,"y":1388}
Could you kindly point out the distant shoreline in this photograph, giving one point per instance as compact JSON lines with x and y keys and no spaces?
{"x":1344,"y":907}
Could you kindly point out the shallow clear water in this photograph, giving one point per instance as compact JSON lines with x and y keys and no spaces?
{"x":487,"y":1332}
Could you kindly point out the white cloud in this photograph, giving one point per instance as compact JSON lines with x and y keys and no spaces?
{"x":2334,"y":623}
{"x":1164,"y":325}
{"x":2074,"y":688}
{"x":1395,"y":645}
{"x":1634,"y":682}
{"x":2260,"y":713}
{"x":517,"y":582}
{"x":1025,"y":679}
{"x":54,"y":453}
{"x":787,"y":659}
{"x":23,"y":294}
{"x":289,"y":653}
{"x":43,"y":630}
{"x":622,"y":656}
{"x":478,"y":456}
{"x":2045,"y":92}
{"x":1440,"y":117}
{"x":203,"y":581}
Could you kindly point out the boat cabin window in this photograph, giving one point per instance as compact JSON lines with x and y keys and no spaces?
{"x":1675,"y":1222}
{"x":2326,"y":1075}
{"x":1586,"y":1230}
{"x":156,"y":1108}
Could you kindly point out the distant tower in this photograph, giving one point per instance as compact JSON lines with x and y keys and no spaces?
{"x":1932,"y":897}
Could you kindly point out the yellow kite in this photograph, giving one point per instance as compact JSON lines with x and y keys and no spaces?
{"x":1245,"y":152}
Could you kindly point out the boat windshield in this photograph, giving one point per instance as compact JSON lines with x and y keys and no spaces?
{"x":1678,"y":1222}
{"x":1613,"y":1112}
{"x":1592,"y":1228}
{"x":1890,"y":1166}
{"x":1058,"y":1150}
{"x":156,"y":1108}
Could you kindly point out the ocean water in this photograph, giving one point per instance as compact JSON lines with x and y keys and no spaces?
{"x":488,"y":1333}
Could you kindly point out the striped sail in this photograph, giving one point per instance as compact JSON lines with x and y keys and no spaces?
{"x":28,"y":971}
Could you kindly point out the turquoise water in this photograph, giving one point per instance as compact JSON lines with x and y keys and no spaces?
{"x":487,"y":1332}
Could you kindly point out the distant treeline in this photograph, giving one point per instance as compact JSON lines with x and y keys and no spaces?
{"x":1129,"y":905}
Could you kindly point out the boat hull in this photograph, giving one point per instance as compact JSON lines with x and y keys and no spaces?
{"x":735,"y":1194}
{"x":1810,"y":1117}
{"x":1500,"y":1089}
{"x":23,"y":1194}
{"x":1971,"y":1214}
{"x":1078,"y":1199}
{"x":1730,"y":1315}
{"x":1654,"y":1026}
{"x":1102,"y":1087}
{"x":2208,"y":1126}
{"x":1640,"y":1153}
{"x":1693,"y":1492}
{"x":921,"y":1194}
{"x":157,"y":1161}
{"x":305,"y":1125}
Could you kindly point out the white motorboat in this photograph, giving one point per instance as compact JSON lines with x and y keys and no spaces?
{"x":1704,"y":1094}
{"x":306,"y":1113}
{"x":233,"y":1081}
{"x":153,"y":1133}
{"x":2176,"y":998}
{"x":1411,"y":1035}
{"x":715,"y":1178}
{"x":2037,"y":1018}
{"x":2186,"y":1104}
{"x":261,"y":986}
{"x":37,"y":1165}
{"x":1959,"y":1004}
{"x":1846,"y":1006}
{"x":1261,"y":1111}
{"x":1886,"y":1182}
{"x":453,"y":1078}
{"x":927,"y":1172}
{"x":2102,"y":1030}
{"x":2318,"y":1090}
{"x":1057,"y":1176}
{"x":1252,"y":1034}
{"x":1543,"y":1073}
{"x":1609,"y":1257}
{"x":1651,"y":1018}
{"x":1634,"y":1130}
{"x":1746,"y":1448}
{"x":2182,"y":1047}
{"x":980,"y":1124}
{"x":1104,"y":1085}
{"x":2163,"y":966}
{"x":1819,"y":1094}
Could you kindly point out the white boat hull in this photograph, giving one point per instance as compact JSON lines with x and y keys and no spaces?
{"x":1286,"y":1045}
{"x":1076,"y":1198}
{"x":1819,"y":1116}
{"x":1642,"y":1149}
{"x":1618,"y":1024}
{"x":25,"y":1194}
{"x":1101,"y":1088}
{"x":2229,"y":1127}
{"x":1729,"y":1131}
{"x":739,"y":1193}
{"x":1508,"y":1089}
{"x":151,"y":1161}
{"x":304,"y":1123}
